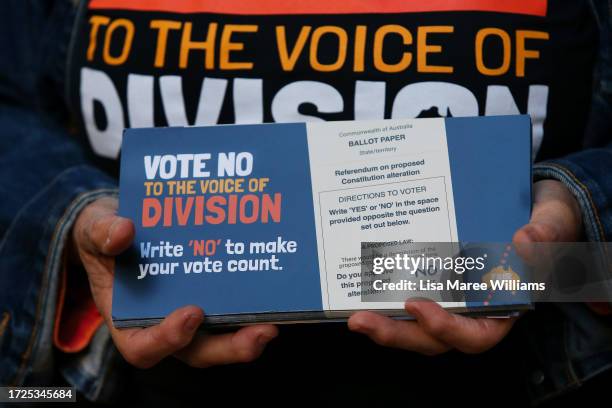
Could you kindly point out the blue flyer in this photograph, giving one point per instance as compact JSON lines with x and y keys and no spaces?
{"x":255,"y":221}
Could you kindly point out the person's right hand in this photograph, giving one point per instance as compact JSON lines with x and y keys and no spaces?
{"x":97,"y":237}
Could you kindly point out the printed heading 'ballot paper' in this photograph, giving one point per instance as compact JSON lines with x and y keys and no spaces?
{"x":266,"y":222}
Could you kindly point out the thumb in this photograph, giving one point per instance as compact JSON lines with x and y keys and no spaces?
{"x":555,"y":217}
{"x":99,"y":230}
{"x":539,"y":229}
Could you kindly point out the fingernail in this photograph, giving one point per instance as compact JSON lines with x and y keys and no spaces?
{"x":264,"y":338}
{"x":111,"y":230}
{"x":413,"y":308}
{"x":192,"y":322}
{"x":531,"y":236}
{"x":360,"y":326}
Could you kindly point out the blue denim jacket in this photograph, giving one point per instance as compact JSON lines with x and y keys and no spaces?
{"x":568,"y":343}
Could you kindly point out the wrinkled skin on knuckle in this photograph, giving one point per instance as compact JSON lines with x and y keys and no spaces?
{"x":163,"y":335}
{"x":436,"y":328}
{"x":137,"y":358}
{"x":247,"y":354}
{"x":384,"y":337}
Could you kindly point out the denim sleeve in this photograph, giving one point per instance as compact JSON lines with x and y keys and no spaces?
{"x":46,"y":179}
{"x":568,"y":343}
{"x":588,"y":175}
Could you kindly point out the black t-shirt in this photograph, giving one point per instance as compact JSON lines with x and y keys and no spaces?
{"x":136,"y":63}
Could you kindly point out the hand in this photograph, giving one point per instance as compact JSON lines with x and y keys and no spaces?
{"x":97,"y":237}
{"x":555,"y":217}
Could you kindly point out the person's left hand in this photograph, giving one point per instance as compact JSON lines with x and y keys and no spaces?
{"x":435,"y":330}
{"x":555,"y":217}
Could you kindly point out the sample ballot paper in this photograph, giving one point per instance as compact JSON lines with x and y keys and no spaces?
{"x":266,"y":223}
